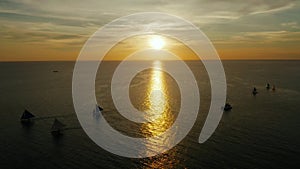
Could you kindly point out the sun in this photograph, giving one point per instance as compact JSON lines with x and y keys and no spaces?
{"x":157,"y":42}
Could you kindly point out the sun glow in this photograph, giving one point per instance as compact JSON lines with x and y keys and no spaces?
{"x":157,"y":42}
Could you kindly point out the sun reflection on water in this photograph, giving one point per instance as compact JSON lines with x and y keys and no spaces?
{"x":157,"y":103}
{"x":160,"y":114}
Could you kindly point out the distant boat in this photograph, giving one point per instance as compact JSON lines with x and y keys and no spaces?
{"x":227,"y":107}
{"x":26,"y":116}
{"x":97,"y":111}
{"x":268,"y":86}
{"x":57,"y":127}
{"x":100,"y":108}
{"x":254,"y":92}
{"x":55,"y":71}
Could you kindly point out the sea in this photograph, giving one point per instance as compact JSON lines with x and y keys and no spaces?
{"x":260,"y":132}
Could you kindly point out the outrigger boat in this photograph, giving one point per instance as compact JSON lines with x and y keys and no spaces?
{"x":27,"y":117}
{"x":57,"y":127}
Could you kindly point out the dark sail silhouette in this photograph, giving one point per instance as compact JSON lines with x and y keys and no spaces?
{"x":57,"y":127}
{"x":100,"y":108}
{"x":97,"y":111}
{"x":227,"y":107}
{"x":254,"y":91}
{"x":26,"y":116}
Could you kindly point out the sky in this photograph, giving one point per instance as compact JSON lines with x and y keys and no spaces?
{"x":42,"y":30}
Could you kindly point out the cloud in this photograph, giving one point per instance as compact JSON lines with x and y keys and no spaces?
{"x":270,"y":9}
{"x":266,"y":37}
{"x":94,"y":10}
{"x":293,"y":25}
{"x":98,"y":13}
{"x":41,"y":34}
{"x":71,"y":22}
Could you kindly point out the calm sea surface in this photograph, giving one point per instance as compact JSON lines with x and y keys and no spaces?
{"x":259,"y":132}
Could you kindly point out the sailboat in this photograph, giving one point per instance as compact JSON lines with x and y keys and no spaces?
{"x":100,"y":108}
{"x":96,"y":112}
{"x":26,"y":116}
{"x":227,"y":107}
{"x":254,"y":91}
{"x":57,"y":127}
{"x":268,"y":86}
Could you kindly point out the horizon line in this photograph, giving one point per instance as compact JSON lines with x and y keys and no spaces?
{"x":246,"y":59}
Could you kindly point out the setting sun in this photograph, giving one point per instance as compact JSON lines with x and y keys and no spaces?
{"x":157,"y":42}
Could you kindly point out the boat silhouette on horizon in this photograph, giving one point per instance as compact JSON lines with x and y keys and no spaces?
{"x":57,"y":127}
{"x":27,"y":117}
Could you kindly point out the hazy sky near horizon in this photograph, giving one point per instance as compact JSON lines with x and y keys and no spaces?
{"x":57,"y":30}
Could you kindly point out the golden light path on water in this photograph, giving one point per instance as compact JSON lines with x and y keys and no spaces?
{"x":158,"y":105}
{"x":157,"y":96}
